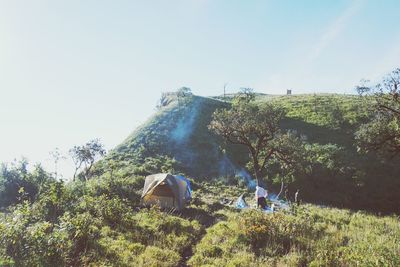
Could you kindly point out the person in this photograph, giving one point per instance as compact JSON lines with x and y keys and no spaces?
{"x":296,"y":198}
{"x":286,"y":195}
{"x":261,"y":195}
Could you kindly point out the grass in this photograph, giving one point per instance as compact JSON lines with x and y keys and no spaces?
{"x":312,"y":236}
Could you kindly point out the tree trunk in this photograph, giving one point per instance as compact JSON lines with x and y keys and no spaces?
{"x":277,"y":196}
{"x":256,"y":168}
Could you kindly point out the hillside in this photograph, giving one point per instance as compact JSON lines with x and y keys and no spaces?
{"x":179,"y":131}
{"x":177,"y":139}
{"x":101,"y":222}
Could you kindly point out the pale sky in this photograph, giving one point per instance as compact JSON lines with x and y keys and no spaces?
{"x":75,"y":70}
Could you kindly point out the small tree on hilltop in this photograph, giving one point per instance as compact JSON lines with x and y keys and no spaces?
{"x":245,"y":95}
{"x":184,"y":92}
{"x":85,"y":156}
{"x":256,"y":127}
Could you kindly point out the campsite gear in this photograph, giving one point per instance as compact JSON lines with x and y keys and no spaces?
{"x":166,"y":191}
{"x":261,"y":202}
{"x":241,"y":202}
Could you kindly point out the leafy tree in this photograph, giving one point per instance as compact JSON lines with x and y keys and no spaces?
{"x":382,"y":133}
{"x":258,"y":128}
{"x":86,"y":155}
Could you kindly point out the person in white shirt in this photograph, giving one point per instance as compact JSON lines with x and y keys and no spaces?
{"x":261,"y":195}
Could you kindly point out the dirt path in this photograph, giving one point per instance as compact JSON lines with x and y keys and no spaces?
{"x":206,"y":220}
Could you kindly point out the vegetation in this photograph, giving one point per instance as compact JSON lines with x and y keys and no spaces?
{"x":382,"y":133}
{"x":85,"y":156}
{"x":328,"y":168}
{"x":309,"y":237}
{"x":97,"y":220}
{"x":257,"y":127}
{"x":100,"y":222}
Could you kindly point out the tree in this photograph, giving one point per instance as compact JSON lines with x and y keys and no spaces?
{"x":85,"y":156}
{"x":256,"y":127}
{"x":245,"y":95}
{"x":184,"y":95}
{"x":57,"y":156}
{"x":382,"y":133}
{"x":184,"y":92}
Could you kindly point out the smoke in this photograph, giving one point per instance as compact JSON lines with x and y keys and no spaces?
{"x":227,"y":165}
{"x":182,"y":132}
{"x":185,"y":126}
{"x":250,"y":181}
{"x":272,"y":196}
{"x":228,"y":168}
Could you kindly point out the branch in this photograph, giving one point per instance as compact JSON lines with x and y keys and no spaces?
{"x":389,"y":108}
{"x":267,"y":157}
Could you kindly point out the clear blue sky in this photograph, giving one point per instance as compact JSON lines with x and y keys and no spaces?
{"x":74,"y":70}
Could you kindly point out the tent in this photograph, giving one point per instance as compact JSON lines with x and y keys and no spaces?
{"x":166,"y":190}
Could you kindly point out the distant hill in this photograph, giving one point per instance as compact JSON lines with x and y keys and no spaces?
{"x":178,"y":133}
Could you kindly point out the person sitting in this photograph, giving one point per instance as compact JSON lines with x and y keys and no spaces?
{"x":261,"y":195}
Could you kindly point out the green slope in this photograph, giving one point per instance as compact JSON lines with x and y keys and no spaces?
{"x":177,"y":139}
{"x":179,"y":131}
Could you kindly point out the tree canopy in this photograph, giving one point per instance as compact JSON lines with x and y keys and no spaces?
{"x":382,"y":132}
{"x":258,"y":128}
{"x":85,"y":156}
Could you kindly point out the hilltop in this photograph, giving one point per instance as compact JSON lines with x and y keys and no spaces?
{"x":176,"y":139}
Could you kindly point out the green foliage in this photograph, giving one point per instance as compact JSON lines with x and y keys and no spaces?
{"x":382,"y":132}
{"x":18,"y":185}
{"x":84,"y":157}
{"x":154,"y":257}
{"x":93,"y":223}
{"x":253,"y":126}
{"x":99,"y":222}
{"x":325,"y":163}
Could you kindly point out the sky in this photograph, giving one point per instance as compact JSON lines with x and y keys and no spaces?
{"x":75,"y":70}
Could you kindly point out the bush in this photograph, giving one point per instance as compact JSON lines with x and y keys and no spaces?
{"x":158,"y":257}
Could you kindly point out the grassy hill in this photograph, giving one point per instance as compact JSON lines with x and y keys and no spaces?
{"x":100,"y":222}
{"x":179,"y":131}
{"x":177,"y":139}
